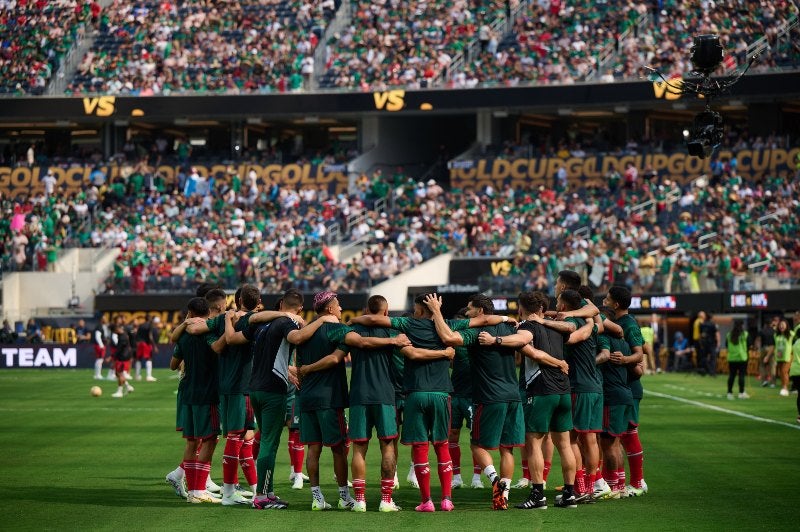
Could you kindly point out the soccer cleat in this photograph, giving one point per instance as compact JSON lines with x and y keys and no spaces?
{"x":241,"y":491}
{"x":579,"y":498}
{"x":117,"y":395}
{"x":601,"y":489}
{"x":297,"y":483}
{"x":412,"y":479}
{"x":744,"y":395}
{"x":201,"y":497}
{"x":234,"y":499}
{"x":615,"y":494}
{"x":499,"y":501}
{"x":99,"y":378}
{"x":293,"y":475}
{"x":388,"y":507}
{"x":138,"y":377}
{"x":426,"y":506}
{"x":347,"y":504}
{"x":535,"y":501}
{"x":359,"y":506}
{"x":212,"y":487}
{"x":151,"y":379}
{"x":522,"y":483}
{"x":784,"y":392}
{"x":457,"y":482}
{"x":178,"y":485}
{"x":477,"y":484}
{"x":446,"y":505}
{"x":128,"y":387}
{"x":643,"y":485}
{"x":127,"y":376}
{"x":730,"y":397}
{"x":567,"y":502}
{"x":265,"y":502}
{"x":319,"y":506}
{"x":631,"y":491}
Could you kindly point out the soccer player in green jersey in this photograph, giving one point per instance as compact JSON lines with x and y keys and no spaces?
{"x":618,"y":300}
{"x":461,"y":411}
{"x":498,"y":421}
{"x":372,"y":404}
{"x":323,"y":393}
{"x":199,"y":415}
{"x":427,"y":385}
{"x":617,"y":407}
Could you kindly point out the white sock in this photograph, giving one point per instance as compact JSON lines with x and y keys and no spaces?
{"x":411,"y":472}
{"x":254,"y":489}
{"x":508,"y":486}
{"x":138,"y":366}
{"x":317,"y":494}
{"x":476,"y":477}
{"x":344,"y":492}
{"x":178,"y":473}
{"x":227,"y":490}
{"x":111,"y":375}
{"x":149,"y":367}
{"x":490,"y":472}
{"x":98,"y":367}
{"x":457,"y":476}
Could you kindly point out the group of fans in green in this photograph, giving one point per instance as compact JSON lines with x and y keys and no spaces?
{"x":566,"y":379}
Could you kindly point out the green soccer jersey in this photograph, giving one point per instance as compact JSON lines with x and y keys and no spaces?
{"x":327,"y":388}
{"x":584,"y":377}
{"x":398,"y":367}
{"x":616,"y":390}
{"x":494,"y":368}
{"x":371,"y":376}
{"x":633,"y":336}
{"x":236,"y":361}
{"x":200,"y":383}
{"x":461,"y":376}
{"x":426,"y":375}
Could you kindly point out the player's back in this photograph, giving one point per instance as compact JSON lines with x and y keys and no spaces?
{"x":424,"y":375}
{"x":494,"y":368}
{"x":326,"y":388}
{"x":371,"y":376}
{"x":200,"y":385}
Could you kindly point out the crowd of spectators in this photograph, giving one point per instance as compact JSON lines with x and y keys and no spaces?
{"x":35,"y":36}
{"x":407,"y":43}
{"x":166,"y":47}
{"x":231,"y":229}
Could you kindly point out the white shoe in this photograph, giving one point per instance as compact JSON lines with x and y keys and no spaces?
{"x":784,"y":392}
{"x":412,"y":479}
{"x":644,"y":486}
{"x":388,"y":507}
{"x":522,"y":483}
{"x":601,"y":489}
{"x":212,"y":487}
{"x":476,"y":483}
{"x":457,"y":482}
{"x":347,"y":504}
{"x":318,"y":506}
{"x":117,"y":395}
{"x":203,"y":496}
{"x":243,"y":492}
{"x":303,"y":475}
{"x":128,"y":388}
{"x":178,"y":485}
{"x":744,"y":395}
{"x":127,"y":376}
{"x":151,"y":379}
{"x":297,"y":483}
{"x":630,"y":491}
{"x":234,"y":500}
{"x":359,"y":506}
{"x":730,"y":397}
{"x":98,"y":378}
{"x":138,"y":377}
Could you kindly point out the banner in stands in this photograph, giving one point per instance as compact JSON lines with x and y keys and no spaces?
{"x":634,"y":94}
{"x":46,"y":356}
{"x":680,"y":167}
{"x":16,"y":181}
{"x":768,"y":300}
{"x":171,"y":308}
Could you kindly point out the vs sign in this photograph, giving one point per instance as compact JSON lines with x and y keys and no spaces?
{"x":100,"y":106}
{"x":391,"y":101}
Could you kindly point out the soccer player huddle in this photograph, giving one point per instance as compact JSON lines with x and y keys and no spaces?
{"x":566,"y":379}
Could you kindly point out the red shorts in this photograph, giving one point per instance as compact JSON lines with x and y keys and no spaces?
{"x":99,"y":352}
{"x":121,"y":366}
{"x":144,"y":351}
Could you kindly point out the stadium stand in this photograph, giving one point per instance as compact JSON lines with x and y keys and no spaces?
{"x":636,"y":228}
{"x":35,"y":37}
{"x":151,"y":47}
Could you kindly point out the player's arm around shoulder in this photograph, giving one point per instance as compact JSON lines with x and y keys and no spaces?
{"x":322,"y":364}
{"x":304,"y":334}
{"x":537,"y":355}
{"x":417,"y":353}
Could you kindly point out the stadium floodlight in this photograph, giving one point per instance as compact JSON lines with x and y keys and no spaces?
{"x":707,"y":55}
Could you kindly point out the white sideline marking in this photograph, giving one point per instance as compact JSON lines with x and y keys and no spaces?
{"x":723,"y":410}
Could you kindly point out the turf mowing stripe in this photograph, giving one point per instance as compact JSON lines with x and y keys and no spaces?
{"x":723,"y":410}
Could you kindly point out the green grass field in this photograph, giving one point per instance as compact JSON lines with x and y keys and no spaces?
{"x":74,"y":462}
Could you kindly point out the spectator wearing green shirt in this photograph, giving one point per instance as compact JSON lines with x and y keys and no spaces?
{"x":737,"y":358}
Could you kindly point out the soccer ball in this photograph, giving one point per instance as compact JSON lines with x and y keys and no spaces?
{"x":96,"y":391}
